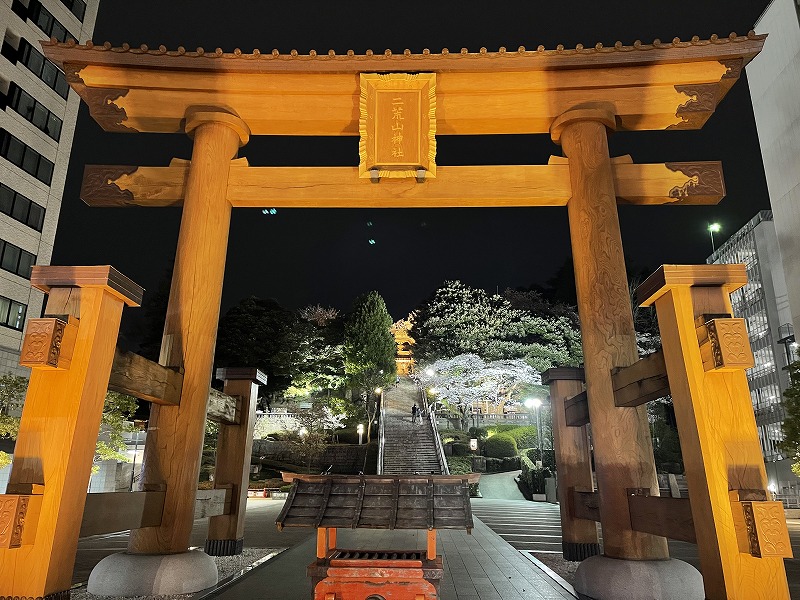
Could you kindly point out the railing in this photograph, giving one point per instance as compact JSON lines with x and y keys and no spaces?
{"x":438,"y":441}
{"x":381,"y":436}
{"x":435,"y":432}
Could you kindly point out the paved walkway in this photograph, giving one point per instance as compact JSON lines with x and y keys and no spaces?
{"x":481,"y":566}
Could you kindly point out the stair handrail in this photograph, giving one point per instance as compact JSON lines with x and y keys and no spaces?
{"x":435,"y":432}
{"x":381,"y":436}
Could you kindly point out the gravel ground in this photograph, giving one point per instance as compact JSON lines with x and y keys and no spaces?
{"x":228,"y":567}
{"x":564,"y":568}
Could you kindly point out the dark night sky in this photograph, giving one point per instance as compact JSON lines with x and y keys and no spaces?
{"x":305,"y":256}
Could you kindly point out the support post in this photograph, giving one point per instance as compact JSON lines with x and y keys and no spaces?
{"x":717,"y":428}
{"x":175,"y":434}
{"x":234,"y":448}
{"x":573,"y":463}
{"x":623,"y":449}
{"x":60,"y":422}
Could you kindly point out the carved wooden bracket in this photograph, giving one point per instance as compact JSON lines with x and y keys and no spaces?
{"x":19,"y":515}
{"x":49,"y":343}
{"x":760,"y":526}
{"x":724,"y":345}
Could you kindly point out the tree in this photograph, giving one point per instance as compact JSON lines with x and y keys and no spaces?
{"x":369,"y":350}
{"x":118,"y":410}
{"x":466,"y":380}
{"x":791,"y":424}
{"x":459,"y":319}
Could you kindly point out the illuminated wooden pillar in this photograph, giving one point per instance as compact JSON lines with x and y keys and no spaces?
{"x":70,"y":353}
{"x":175,"y":434}
{"x":623,"y":449}
{"x":573,"y":462}
{"x":741,"y":536}
{"x":234,"y":449}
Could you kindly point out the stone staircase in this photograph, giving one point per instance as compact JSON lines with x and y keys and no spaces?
{"x":408,"y":448}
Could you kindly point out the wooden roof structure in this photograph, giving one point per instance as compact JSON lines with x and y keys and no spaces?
{"x":378,"y":502}
{"x":663,"y":85}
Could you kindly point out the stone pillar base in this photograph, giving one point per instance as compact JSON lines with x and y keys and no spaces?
{"x":125,"y":574}
{"x":603,"y":578}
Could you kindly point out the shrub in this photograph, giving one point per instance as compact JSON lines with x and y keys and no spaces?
{"x":504,"y":428}
{"x":460,"y":449}
{"x":500,"y":446}
{"x":548,"y":457}
{"x":285,"y":488}
{"x":454,"y":435}
{"x":502,"y":465}
{"x":479,"y":433}
{"x":526,"y":436}
{"x":459,"y":465}
{"x":462,"y":465}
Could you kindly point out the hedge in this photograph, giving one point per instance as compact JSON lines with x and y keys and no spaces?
{"x":532,"y":476}
{"x":460,"y":449}
{"x":548,"y":457}
{"x":501,"y":445}
{"x":526,"y":436}
{"x":462,"y":465}
{"x":502,"y":465}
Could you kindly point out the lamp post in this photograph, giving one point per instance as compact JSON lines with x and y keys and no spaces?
{"x":535,"y":403}
{"x":360,"y":430}
{"x":712,"y":229}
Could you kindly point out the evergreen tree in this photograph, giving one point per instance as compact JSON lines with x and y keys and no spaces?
{"x":369,"y":350}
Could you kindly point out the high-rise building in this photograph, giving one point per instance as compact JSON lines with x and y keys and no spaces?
{"x":763,"y":304}
{"x":774,"y":80}
{"x":37,"y":122}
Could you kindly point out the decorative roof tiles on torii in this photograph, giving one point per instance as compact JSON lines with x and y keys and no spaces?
{"x":646,"y":86}
{"x":673,"y":85}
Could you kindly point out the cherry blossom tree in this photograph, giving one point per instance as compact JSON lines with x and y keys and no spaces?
{"x":465,"y":380}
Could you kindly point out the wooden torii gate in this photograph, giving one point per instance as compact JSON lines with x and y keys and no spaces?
{"x":397,"y":104}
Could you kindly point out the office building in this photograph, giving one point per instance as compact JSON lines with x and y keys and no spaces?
{"x":763,"y":303}
{"x":38,"y":112}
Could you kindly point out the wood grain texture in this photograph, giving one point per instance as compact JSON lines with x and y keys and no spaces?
{"x":576,"y":410}
{"x":584,"y":505}
{"x":340,"y":187}
{"x":573,"y":460}
{"x":119,"y":511}
{"x":175,"y":434}
{"x":477,"y":93}
{"x":643,"y":381}
{"x":144,"y":379}
{"x":719,"y":443}
{"x":621,"y":437}
{"x":56,"y":444}
{"x":44,"y":277}
{"x":667,"y":517}
{"x":223,"y":408}
{"x":234,"y":449}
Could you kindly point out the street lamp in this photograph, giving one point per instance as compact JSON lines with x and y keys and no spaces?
{"x":712,"y":229}
{"x":360,"y":430}
{"x":535,"y":403}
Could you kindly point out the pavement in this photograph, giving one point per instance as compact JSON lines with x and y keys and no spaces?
{"x":481,"y":566}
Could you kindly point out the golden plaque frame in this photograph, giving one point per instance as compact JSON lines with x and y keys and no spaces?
{"x":397,"y":125}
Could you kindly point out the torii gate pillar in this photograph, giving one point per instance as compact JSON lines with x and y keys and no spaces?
{"x":175,"y":434}
{"x":621,"y":437}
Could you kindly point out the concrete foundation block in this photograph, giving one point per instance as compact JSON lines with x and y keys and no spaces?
{"x":604,"y":578}
{"x":124,"y":574}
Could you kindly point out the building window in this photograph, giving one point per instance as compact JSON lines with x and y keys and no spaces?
{"x":76,"y":7}
{"x":34,"y":111}
{"x":43,"y":68}
{"x":12,"y":313}
{"x":25,"y":157}
{"x":45,"y":21}
{"x":23,"y":209}
{"x":16,"y":260}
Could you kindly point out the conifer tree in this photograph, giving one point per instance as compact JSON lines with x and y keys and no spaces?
{"x":369,"y":350}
